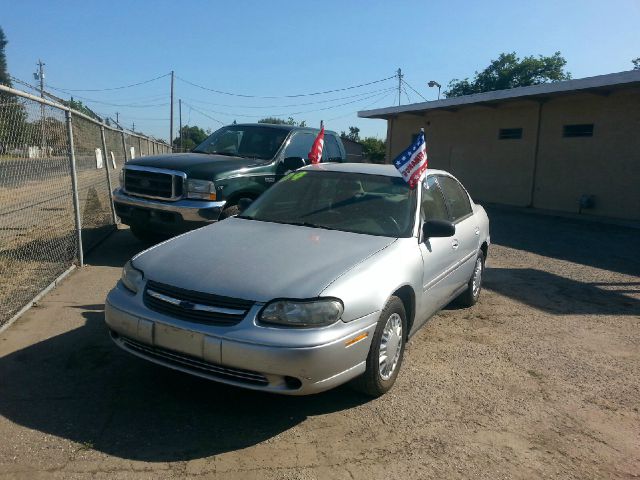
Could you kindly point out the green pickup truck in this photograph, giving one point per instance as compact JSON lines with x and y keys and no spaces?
{"x":164,"y":195}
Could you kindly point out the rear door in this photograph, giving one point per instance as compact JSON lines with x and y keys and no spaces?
{"x":465,"y":242}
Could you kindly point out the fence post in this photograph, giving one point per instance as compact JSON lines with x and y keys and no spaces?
{"x":124,"y":147}
{"x":74,"y":187}
{"x":140,"y":146}
{"x":148,"y":146}
{"x":108,"y":167}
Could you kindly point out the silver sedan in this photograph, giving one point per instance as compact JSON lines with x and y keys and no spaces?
{"x":320,"y":281}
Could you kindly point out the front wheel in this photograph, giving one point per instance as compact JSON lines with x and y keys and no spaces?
{"x":230,"y":211}
{"x":386,"y":352}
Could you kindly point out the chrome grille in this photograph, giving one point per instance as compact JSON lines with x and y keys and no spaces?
{"x":193,"y":364}
{"x":153,"y":182}
{"x":195,"y":306}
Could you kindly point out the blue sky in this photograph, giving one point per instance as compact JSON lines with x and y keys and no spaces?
{"x":279,"y":48}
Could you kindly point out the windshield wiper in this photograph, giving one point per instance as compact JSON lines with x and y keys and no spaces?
{"x":309,"y":224}
{"x":246,"y":217}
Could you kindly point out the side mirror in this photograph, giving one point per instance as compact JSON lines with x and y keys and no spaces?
{"x":438,"y":228}
{"x":293,"y":163}
{"x":244,"y":203}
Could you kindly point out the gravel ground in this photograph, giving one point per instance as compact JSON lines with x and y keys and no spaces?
{"x":539,"y":380}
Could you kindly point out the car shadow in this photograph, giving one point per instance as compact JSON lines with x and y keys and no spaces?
{"x":81,"y":387}
{"x":563,"y":296}
{"x":609,"y":247}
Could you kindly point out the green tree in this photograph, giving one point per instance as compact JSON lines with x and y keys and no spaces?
{"x":280,"y":121}
{"x":374,"y":149}
{"x":354,"y":134}
{"x":509,"y":71}
{"x":80,"y":107}
{"x":636,"y":63}
{"x":191,"y":137}
{"x":13,"y":117}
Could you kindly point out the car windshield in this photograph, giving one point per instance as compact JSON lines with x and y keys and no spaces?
{"x":351,"y":202}
{"x":247,"y":141}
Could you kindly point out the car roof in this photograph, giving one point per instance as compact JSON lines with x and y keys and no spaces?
{"x":283,"y":127}
{"x":386,"y":170}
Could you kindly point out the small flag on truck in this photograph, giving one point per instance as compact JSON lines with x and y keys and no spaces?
{"x":315,"y":155}
{"x":412,"y":163}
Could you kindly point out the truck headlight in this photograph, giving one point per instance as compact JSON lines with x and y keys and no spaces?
{"x":303,"y":313}
{"x":201,"y":189}
{"x":132,"y":277}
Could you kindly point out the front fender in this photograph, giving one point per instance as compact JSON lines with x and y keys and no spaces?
{"x":367,"y":286}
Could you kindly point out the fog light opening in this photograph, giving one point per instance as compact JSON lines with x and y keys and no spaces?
{"x":292,"y":383}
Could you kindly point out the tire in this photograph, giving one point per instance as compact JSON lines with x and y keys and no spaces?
{"x":230,"y":211}
{"x":146,"y":236}
{"x":373,"y":381}
{"x":470,"y":296}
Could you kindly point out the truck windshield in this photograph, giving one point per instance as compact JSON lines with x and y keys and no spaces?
{"x":248,"y":141}
{"x":351,"y":202}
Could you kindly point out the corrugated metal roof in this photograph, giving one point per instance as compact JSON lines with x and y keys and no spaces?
{"x":600,"y":82}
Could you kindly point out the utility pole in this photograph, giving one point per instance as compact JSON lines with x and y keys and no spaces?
{"x":118,"y":119}
{"x":171,"y":113}
{"x":180,"y":121}
{"x":39,"y":75}
{"x":399,"y":85}
{"x":133,"y":127}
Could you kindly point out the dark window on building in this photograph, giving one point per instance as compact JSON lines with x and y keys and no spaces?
{"x":584,"y":130}
{"x":510,"y":134}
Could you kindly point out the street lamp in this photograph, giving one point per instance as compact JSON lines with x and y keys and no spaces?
{"x":433,"y":83}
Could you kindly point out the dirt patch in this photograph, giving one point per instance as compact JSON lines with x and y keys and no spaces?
{"x":539,"y":380}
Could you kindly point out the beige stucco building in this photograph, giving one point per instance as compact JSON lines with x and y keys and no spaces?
{"x":545,"y":146}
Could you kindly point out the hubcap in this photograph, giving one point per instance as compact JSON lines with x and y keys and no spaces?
{"x":477,"y":278}
{"x":390,"y":346}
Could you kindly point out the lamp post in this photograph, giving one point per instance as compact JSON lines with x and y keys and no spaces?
{"x":433,"y":83}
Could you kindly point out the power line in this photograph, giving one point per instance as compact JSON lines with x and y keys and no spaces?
{"x":289,"y":105}
{"x":113,"y":88}
{"x":284,"y":96}
{"x":414,"y":90}
{"x":377,"y":100}
{"x":191,"y":107}
{"x":296,"y":113}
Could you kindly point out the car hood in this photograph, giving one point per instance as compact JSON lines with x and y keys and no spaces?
{"x":197,"y":165}
{"x":256,"y":260}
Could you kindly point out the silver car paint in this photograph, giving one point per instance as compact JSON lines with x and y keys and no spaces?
{"x":262,"y":261}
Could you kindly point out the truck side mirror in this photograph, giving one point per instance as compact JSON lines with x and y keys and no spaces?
{"x":438,"y":228}
{"x":293,"y":163}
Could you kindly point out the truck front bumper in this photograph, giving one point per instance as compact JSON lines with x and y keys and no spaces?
{"x":179,"y":215}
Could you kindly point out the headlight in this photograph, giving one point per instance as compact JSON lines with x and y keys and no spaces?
{"x":201,"y":189}
{"x":132,"y":277}
{"x":300,"y":313}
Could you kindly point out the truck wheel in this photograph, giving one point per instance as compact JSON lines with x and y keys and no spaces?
{"x":230,"y":211}
{"x":146,"y":236}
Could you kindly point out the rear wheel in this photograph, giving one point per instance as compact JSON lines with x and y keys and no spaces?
{"x":470,"y":296}
{"x":386,"y":352}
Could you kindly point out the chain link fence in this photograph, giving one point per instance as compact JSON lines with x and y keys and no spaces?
{"x":57,"y":171}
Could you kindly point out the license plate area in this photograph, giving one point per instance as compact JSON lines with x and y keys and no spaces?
{"x":184,"y":341}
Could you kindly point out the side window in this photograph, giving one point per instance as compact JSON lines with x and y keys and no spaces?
{"x":432,"y":206}
{"x":456,"y":198}
{"x":300,"y":145}
{"x":331,"y":150}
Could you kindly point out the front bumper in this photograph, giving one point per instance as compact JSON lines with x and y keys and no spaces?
{"x":181,"y":213}
{"x":295,"y":363}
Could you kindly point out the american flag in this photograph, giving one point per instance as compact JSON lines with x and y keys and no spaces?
{"x":412,"y":163}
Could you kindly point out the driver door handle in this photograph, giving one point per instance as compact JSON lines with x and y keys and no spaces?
{"x":455,"y":244}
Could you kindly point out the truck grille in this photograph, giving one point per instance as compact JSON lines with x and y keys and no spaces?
{"x":195,"y":306}
{"x":153,"y":183}
{"x":192,"y":364}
